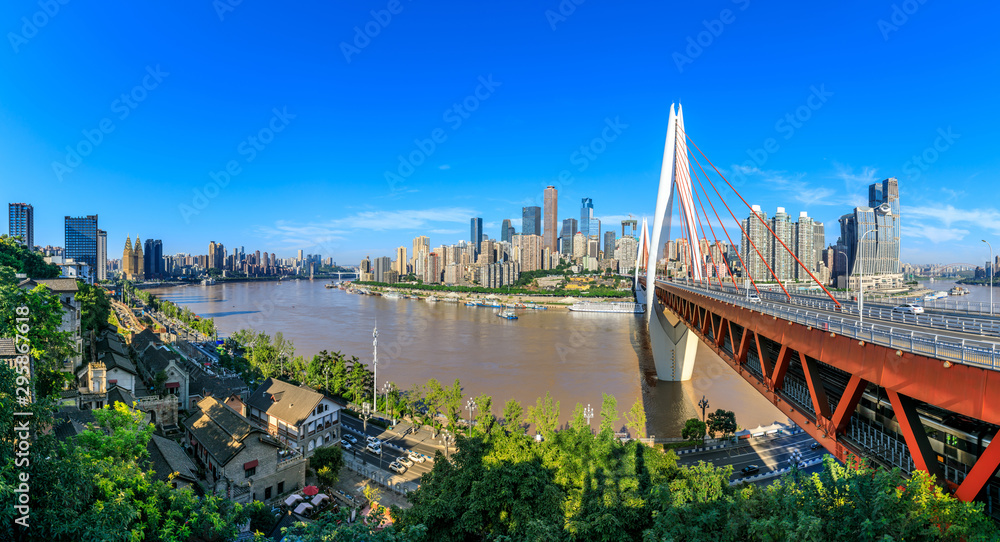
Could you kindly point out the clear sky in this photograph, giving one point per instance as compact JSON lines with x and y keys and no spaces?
{"x":488,"y":102}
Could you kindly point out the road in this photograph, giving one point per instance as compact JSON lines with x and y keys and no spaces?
{"x":353,"y":426}
{"x":769,"y":455}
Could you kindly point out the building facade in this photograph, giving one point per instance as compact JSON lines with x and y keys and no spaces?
{"x":870,"y":235}
{"x":531,"y":220}
{"x":476,"y":233}
{"x":586,"y":214}
{"x":21,"y":218}
{"x":133,"y":263}
{"x":81,"y":239}
{"x":551,"y":228}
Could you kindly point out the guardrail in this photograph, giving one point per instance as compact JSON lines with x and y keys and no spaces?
{"x":981,"y":354}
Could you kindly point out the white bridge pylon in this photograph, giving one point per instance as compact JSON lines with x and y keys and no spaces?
{"x":673,"y":345}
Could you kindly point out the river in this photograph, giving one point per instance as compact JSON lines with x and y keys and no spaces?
{"x":575,"y":356}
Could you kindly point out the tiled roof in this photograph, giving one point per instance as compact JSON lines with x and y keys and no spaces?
{"x":111,"y":343}
{"x":68,"y":429}
{"x":120,"y":395}
{"x":8,"y":348}
{"x":217,"y":386}
{"x":144,"y":339}
{"x":219,"y":429}
{"x":56,"y":285}
{"x":168,"y":457}
{"x":291,"y":404}
{"x":113,"y":360}
{"x":156,"y":359}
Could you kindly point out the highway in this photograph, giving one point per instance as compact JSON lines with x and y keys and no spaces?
{"x":353,"y":426}
{"x":770,"y":455}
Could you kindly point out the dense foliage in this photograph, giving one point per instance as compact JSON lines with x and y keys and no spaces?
{"x":95,"y":307}
{"x":205,"y":326}
{"x":22,"y":260}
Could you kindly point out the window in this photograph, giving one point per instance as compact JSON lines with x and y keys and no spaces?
{"x":281,"y":488}
{"x":267,"y":494}
{"x":249,"y":472}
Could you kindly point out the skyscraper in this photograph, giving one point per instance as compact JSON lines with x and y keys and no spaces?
{"x":870,"y":234}
{"x":81,"y":239}
{"x":476,"y":233}
{"x":506,"y":230}
{"x":609,"y":244}
{"x":629,"y":227}
{"x":531,"y":221}
{"x":551,"y":227}
{"x":153,"y":259}
{"x":216,"y":255}
{"x":101,"y":273}
{"x":586,"y":213}
{"x":756,"y":268}
{"x":781,"y":261}
{"x":805,"y":236}
{"x":22,"y":223}
{"x":570,"y":227}
{"x":400,"y":265}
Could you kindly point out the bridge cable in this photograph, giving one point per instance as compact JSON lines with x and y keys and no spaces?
{"x":762,"y":221}
{"x":724,"y":230}
{"x":702,"y":226}
{"x":684,"y":228}
{"x":723,"y":226}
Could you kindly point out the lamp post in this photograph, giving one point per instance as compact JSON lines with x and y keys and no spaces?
{"x":471,"y":405}
{"x":375,"y":366}
{"x":386,"y":388}
{"x":990,"y":263}
{"x":588,"y":413}
{"x":366,"y":412}
{"x":703,"y":404}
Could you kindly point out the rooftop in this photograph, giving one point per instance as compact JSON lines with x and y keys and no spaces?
{"x":289,"y":403}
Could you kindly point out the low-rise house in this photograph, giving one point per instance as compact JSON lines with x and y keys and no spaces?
{"x":153,"y":357}
{"x":66,"y":289}
{"x":167,"y":458}
{"x":298,"y":415}
{"x":241,"y":461}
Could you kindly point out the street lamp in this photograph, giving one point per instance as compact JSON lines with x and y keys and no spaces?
{"x":861,"y":280}
{"x":471,"y":405}
{"x":588,"y":413}
{"x":703,"y":404}
{"x":386,"y":388}
{"x":375,"y":366}
{"x":990,"y":263}
{"x":366,"y":412}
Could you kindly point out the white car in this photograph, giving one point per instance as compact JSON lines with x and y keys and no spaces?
{"x":753,"y":298}
{"x":403,"y":460}
{"x":373,"y":440}
{"x":374,"y":448}
{"x":396,"y":467}
{"x":414,"y":456}
{"x":909,"y":308}
{"x":346,"y":445}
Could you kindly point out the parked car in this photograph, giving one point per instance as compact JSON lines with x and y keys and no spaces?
{"x":414,"y":456}
{"x":909,"y":308}
{"x":397,"y":467}
{"x":350,"y":438}
{"x":750,"y":469}
{"x":374,"y":448}
{"x":403,"y":460}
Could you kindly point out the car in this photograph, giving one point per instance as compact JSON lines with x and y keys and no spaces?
{"x":403,"y":460}
{"x":750,"y":469}
{"x":346,"y":445}
{"x":815,"y":446}
{"x":350,"y":438}
{"x":909,"y":308}
{"x":375,"y":449}
{"x":414,"y":456}
{"x":397,"y":467}
{"x":373,"y":440}
{"x":753,"y":298}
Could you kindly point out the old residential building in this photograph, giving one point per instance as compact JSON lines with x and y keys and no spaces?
{"x":298,"y":415}
{"x":66,"y":290}
{"x":241,"y":461}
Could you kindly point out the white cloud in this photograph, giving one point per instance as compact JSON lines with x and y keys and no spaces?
{"x":853,"y":180}
{"x":948,"y":215}
{"x":933,"y":234}
{"x":444,"y":166}
{"x":446,"y":232}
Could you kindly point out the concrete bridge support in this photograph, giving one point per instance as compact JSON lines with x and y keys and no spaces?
{"x":674,"y":345}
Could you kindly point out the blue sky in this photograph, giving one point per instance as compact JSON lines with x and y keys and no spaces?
{"x":309,"y":117}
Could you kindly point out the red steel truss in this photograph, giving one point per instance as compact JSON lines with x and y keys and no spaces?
{"x":905,"y":377}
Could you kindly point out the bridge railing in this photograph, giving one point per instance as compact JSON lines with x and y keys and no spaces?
{"x":979,"y":326}
{"x":982,"y":354}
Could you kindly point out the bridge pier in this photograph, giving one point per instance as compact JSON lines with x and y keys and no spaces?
{"x":674,"y":345}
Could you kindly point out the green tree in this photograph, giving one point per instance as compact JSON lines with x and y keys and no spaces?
{"x":95,"y":307}
{"x":544,"y":416}
{"x":49,"y":347}
{"x":513,"y":416}
{"x":609,"y":413}
{"x":694,"y":429}
{"x":359,"y":381}
{"x":22,"y":259}
{"x":327,"y":461}
{"x":722,"y":422}
{"x":635,"y":419}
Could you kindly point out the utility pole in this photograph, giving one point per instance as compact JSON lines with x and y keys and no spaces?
{"x":375,"y":367}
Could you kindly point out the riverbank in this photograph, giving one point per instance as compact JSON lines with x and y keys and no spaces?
{"x":553,"y":302}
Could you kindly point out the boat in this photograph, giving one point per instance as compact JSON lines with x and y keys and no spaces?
{"x":432,"y":299}
{"x":617,"y":307}
{"x":207,"y":282}
{"x":507,"y":314}
{"x":470,"y":303}
{"x":958,"y":290}
{"x":330,"y":285}
{"x":392,"y":295}
{"x":935,"y":295}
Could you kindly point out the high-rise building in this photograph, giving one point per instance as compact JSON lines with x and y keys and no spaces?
{"x":579,"y":245}
{"x":530,"y":252}
{"x":133,"y":263}
{"x":629,"y":227}
{"x":81,"y":239}
{"x":819,"y":243}
{"x":101,"y":273}
{"x":476,"y":233}
{"x":625,"y":252}
{"x":594,"y":230}
{"x":400,"y":265}
{"x":531,"y":221}
{"x":506,"y":230}
{"x":153,"y":261}
{"x":870,"y":234}
{"x":551,"y":227}
{"x":217,"y":256}
{"x":781,"y":261}
{"x":586,"y":214}
{"x":570,"y":226}
{"x":381,"y":266}
{"x":609,"y":244}
{"x":805,"y":236}
{"x":756,"y":236}
{"x":22,"y":223}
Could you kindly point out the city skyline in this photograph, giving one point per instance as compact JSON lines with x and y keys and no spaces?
{"x":260,"y":164}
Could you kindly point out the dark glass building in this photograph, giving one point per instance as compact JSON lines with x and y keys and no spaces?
{"x":531,"y":220}
{"x":153,"y":258}
{"x":22,"y":222}
{"x":476,"y":234}
{"x":81,"y":240}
